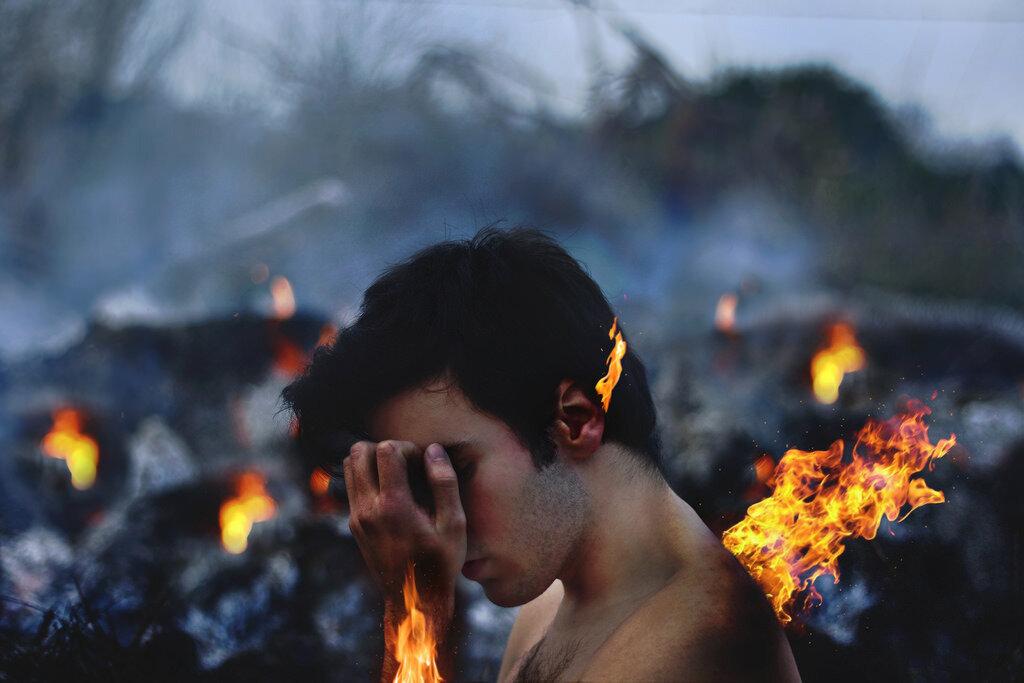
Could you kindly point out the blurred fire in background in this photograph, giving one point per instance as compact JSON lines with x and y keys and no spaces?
{"x":66,"y":442}
{"x":319,"y":142}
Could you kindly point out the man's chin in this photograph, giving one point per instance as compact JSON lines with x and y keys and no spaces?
{"x":501,"y":596}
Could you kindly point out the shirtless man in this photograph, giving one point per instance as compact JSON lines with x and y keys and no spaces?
{"x":472,"y":367}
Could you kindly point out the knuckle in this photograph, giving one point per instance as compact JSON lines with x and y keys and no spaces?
{"x":457,"y":522}
{"x":358,"y":449}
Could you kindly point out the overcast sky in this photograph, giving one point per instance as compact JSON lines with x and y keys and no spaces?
{"x":960,"y":61}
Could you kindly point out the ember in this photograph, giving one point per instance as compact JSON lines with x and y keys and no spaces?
{"x":238,"y":514}
{"x":790,"y":539}
{"x":725,"y":313}
{"x":607,"y":383}
{"x":66,"y":442}
{"x":415,"y":647}
{"x":831,"y":363}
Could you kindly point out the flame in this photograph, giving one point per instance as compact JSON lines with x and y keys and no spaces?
{"x":607,"y":383}
{"x":842,"y":355}
{"x":415,"y":646}
{"x":284,"y":298}
{"x":67,"y":442}
{"x":763,"y":467}
{"x":238,"y":514}
{"x":790,"y":539}
{"x":328,"y":333}
{"x":289,"y":358}
{"x":725,"y":312}
{"x":319,"y":482}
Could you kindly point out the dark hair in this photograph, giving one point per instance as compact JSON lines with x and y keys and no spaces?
{"x":507,"y":315}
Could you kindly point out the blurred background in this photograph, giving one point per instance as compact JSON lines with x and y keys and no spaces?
{"x":194,"y":195}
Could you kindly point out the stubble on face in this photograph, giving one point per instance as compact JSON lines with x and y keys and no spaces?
{"x":552,"y":513}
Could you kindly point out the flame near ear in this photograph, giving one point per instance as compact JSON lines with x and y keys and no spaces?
{"x":607,"y":383}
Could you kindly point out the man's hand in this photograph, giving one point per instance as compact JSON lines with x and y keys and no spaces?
{"x":392,"y":530}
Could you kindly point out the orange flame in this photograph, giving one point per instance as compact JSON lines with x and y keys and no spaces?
{"x":67,"y":442}
{"x":607,"y":383}
{"x":319,"y":482}
{"x":415,"y":646}
{"x":238,"y":514}
{"x":842,"y":355}
{"x":284,"y":298}
{"x":790,"y":539}
{"x":289,"y":358}
{"x":328,"y":333}
{"x":725,"y":312}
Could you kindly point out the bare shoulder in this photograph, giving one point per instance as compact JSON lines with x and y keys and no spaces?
{"x":532,"y":621}
{"x":711,"y":622}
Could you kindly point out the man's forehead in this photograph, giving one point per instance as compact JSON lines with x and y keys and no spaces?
{"x":436,"y":410}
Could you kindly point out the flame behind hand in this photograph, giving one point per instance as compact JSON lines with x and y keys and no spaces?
{"x":415,"y":645}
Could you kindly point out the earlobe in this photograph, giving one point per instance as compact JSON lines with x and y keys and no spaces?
{"x":579,"y":422}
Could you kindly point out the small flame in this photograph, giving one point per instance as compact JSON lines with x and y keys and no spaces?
{"x":415,"y":645}
{"x":763,"y":467}
{"x":725,"y":312}
{"x":842,"y":355}
{"x":607,"y":383}
{"x":238,"y":514}
{"x":289,"y":358}
{"x":790,"y":539}
{"x":328,"y":333}
{"x":67,"y":442}
{"x":284,"y":298}
{"x":319,"y":482}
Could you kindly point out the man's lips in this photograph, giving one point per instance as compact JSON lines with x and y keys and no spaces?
{"x":472,"y":568}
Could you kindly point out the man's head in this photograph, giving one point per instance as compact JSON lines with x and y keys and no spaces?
{"x":507,"y":317}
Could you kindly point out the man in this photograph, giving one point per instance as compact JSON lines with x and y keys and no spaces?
{"x":472,"y":367}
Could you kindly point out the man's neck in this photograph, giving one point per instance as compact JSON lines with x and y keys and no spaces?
{"x":636,"y":540}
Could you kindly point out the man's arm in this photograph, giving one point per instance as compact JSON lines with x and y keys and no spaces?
{"x":394,"y":533}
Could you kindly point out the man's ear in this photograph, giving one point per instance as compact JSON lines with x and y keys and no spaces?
{"x":579,"y":422}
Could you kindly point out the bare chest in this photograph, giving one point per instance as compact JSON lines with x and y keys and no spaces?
{"x":564,"y":656}
{"x":550,"y":661}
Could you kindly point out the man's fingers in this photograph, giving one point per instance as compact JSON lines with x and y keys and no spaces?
{"x":360,"y":471}
{"x":393,"y":469}
{"x":445,"y":486}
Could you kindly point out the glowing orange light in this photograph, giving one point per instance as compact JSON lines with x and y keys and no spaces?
{"x":67,"y":442}
{"x":319,"y":482}
{"x":328,"y":333}
{"x":842,"y":355}
{"x":725,"y":312}
{"x":289,"y":358}
{"x":415,"y":645}
{"x":788,"y":540}
{"x":607,"y":383}
{"x":284,"y":298}
{"x":237,"y":515}
{"x":764,"y":466}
